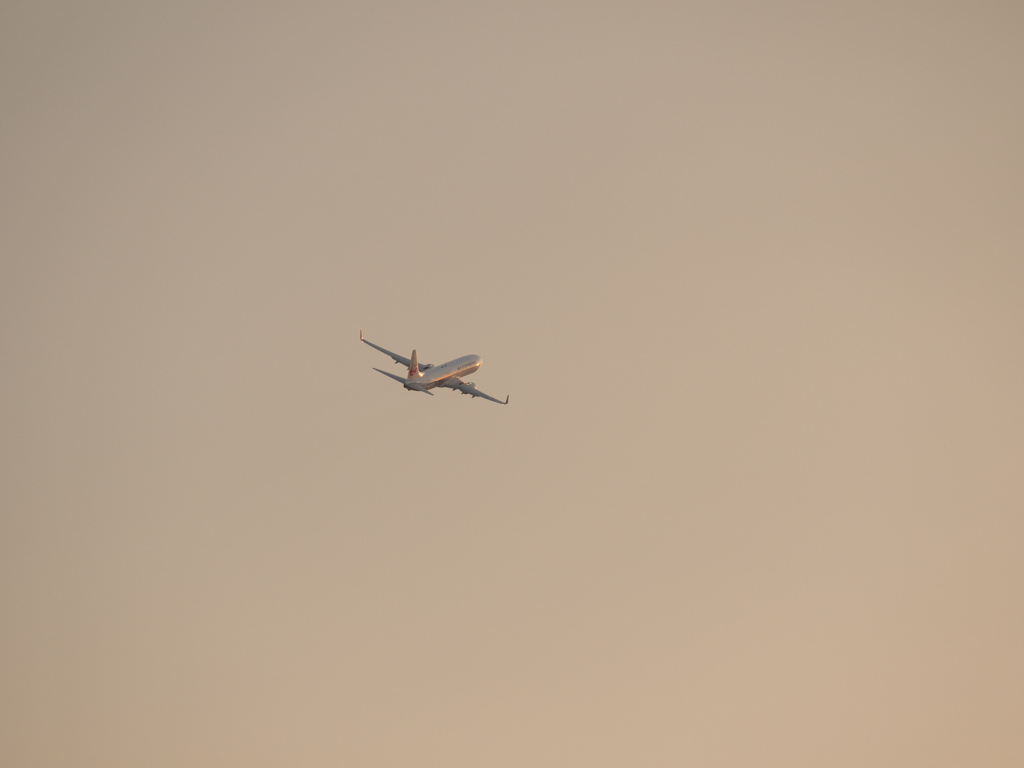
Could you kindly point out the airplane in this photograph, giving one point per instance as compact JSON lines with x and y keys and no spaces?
{"x":423,"y":378}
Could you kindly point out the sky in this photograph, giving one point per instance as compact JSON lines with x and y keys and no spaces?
{"x":752,"y":274}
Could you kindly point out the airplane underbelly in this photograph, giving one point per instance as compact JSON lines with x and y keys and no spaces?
{"x":440,"y":380}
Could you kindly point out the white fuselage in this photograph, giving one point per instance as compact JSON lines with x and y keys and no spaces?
{"x":437,"y":375}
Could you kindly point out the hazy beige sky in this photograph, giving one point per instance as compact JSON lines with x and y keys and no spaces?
{"x":752,"y":274}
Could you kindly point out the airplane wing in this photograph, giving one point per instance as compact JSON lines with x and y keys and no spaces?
{"x":397,"y":358}
{"x":468,"y":388}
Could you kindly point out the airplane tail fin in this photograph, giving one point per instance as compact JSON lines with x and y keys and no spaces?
{"x":414,"y":367}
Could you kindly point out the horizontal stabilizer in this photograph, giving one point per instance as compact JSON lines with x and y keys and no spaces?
{"x":399,"y":379}
{"x":405,"y":382}
{"x":418,"y":388}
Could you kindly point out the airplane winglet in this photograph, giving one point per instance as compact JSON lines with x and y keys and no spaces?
{"x":506,"y":399}
{"x":360,"y":334}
